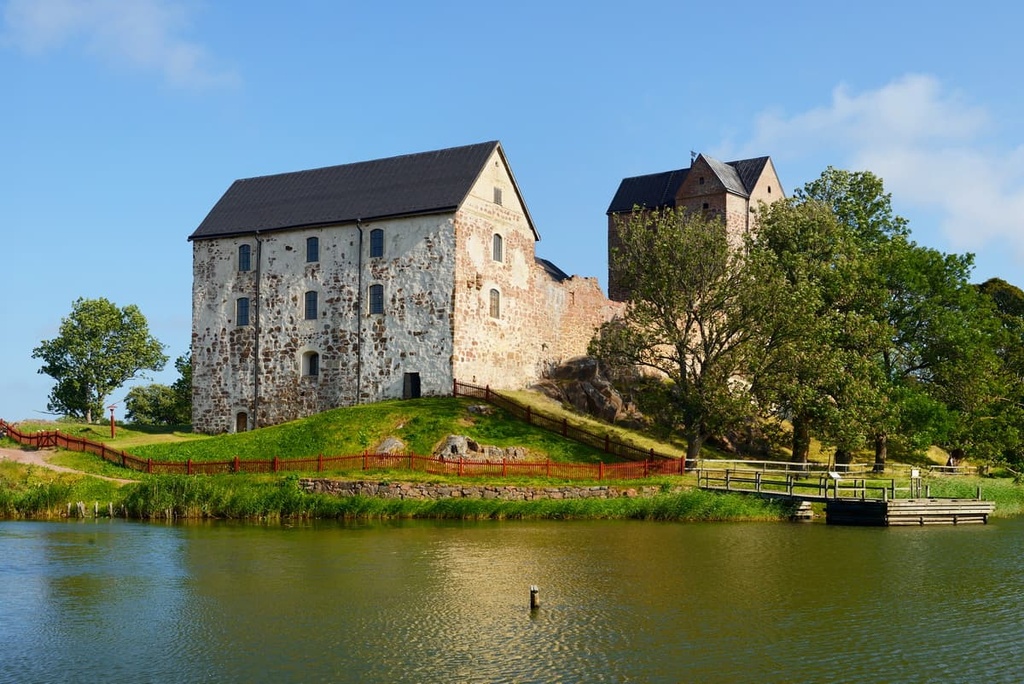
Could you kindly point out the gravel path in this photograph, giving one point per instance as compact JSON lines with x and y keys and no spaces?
{"x":39,"y":458}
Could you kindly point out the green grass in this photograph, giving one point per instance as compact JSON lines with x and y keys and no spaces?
{"x":28,"y":491}
{"x":421,"y":424}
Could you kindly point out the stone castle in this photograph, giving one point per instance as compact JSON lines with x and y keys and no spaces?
{"x":392,"y":278}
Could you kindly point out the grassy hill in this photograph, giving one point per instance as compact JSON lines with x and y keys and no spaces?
{"x":420,"y":424}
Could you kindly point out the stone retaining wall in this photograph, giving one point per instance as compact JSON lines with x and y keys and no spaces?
{"x":418,"y":490}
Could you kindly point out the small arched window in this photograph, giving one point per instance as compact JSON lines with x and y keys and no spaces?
{"x":497,"y":248}
{"x":311,"y":364}
{"x":244,"y":258}
{"x":376,"y":299}
{"x":377,"y":242}
{"x":242,"y":311}
{"x":312,"y":249}
{"x":311,"y":305}
{"x":495,"y":304}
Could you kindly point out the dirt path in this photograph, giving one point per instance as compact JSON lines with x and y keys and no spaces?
{"x":39,"y":458}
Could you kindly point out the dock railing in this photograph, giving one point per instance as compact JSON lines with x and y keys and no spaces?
{"x":820,"y":487}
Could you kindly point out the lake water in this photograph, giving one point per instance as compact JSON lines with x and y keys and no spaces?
{"x":116,"y":601}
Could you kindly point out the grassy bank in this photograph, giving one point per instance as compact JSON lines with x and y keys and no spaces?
{"x":30,"y":492}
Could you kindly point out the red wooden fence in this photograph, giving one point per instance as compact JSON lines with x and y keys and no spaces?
{"x":560,"y":426}
{"x":365,"y":461}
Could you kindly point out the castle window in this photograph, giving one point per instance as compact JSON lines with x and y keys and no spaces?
{"x":242,"y":311}
{"x":312,"y":249}
{"x":700,"y":181}
{"x":705,"y":206}
{"x":496,"y":248}
{"x":244,"y":258}
{"x":311,"y":364}
{"x":376,"y":299}
{"x":497,"y":196}
{"x":495,"y":304}
{"x":769,"y":189}
{"x":311,"y":305}
{"x":377,"y":242}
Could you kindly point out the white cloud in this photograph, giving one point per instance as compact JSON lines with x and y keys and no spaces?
{"x":933,"y":149}
{"x":141,"y":34}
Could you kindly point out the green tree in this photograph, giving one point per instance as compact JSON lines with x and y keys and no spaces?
{"x":157,"y":404}
{"x":98,"y":348}
{"x":694,"y":314}
{"x":818,"y":375}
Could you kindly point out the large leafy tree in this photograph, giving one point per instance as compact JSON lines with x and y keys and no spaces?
{"x":819,"y":377}
{"x":98,"y":348}
{"x":692,"y":321}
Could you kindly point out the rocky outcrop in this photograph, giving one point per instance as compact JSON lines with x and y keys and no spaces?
{"x":456,"y":447}
{"x":580,"y":383}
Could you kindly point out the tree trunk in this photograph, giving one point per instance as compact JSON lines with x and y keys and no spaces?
{"x":801,"y":439}
{"x":881,"y":451}
{"x":693,"y":445}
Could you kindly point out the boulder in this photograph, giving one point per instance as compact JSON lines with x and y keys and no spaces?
{"x":456,"y":447}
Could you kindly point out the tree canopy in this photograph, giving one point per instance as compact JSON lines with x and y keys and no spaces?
{"x":157,"y":404}
{"x":99,"y":347}
{"x":829,"y":316}
{"x":692,"y":318}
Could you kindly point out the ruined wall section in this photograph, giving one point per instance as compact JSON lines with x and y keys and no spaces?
{"x":574,"y":309}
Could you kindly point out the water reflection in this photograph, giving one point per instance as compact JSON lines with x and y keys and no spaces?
{"x":449,"y":602}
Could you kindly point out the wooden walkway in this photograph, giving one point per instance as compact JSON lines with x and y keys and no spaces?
{"x":852,"y":501}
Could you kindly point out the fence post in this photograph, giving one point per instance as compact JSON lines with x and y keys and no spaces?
{"x":320,"y":463}
{"x":366,"y":460}
{"x":275,"y":463}
{"x":548,"y":470}
{"x":565,"y":427}
{"x":188,"y":467}
{"x":607,"y":443}
{"x":460,"y":467}
{"x":757,"y":481}
{"x":527,"y":415}
{"x":487,"y":392}
{"x":600,"y":470}
{"x":647,"y":468}
{"x":149,"y":466}
{"x":236,"y":464}
{"x":455,"y":387}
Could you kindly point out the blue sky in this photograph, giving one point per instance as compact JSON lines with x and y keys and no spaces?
{"x":124,"y":121}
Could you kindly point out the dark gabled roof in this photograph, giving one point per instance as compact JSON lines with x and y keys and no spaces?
{"x":408,"y":185}
{"x":652,"y":190}
{"x":749,"y":170}
{"x":659,"y":189}
{"x":552,"y":270}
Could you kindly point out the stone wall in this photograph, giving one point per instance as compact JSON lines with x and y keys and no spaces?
{"x":414,"y":490}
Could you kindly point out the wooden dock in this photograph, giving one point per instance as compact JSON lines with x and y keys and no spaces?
{"x":904,"y":512}
{"x":852,"y":501}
